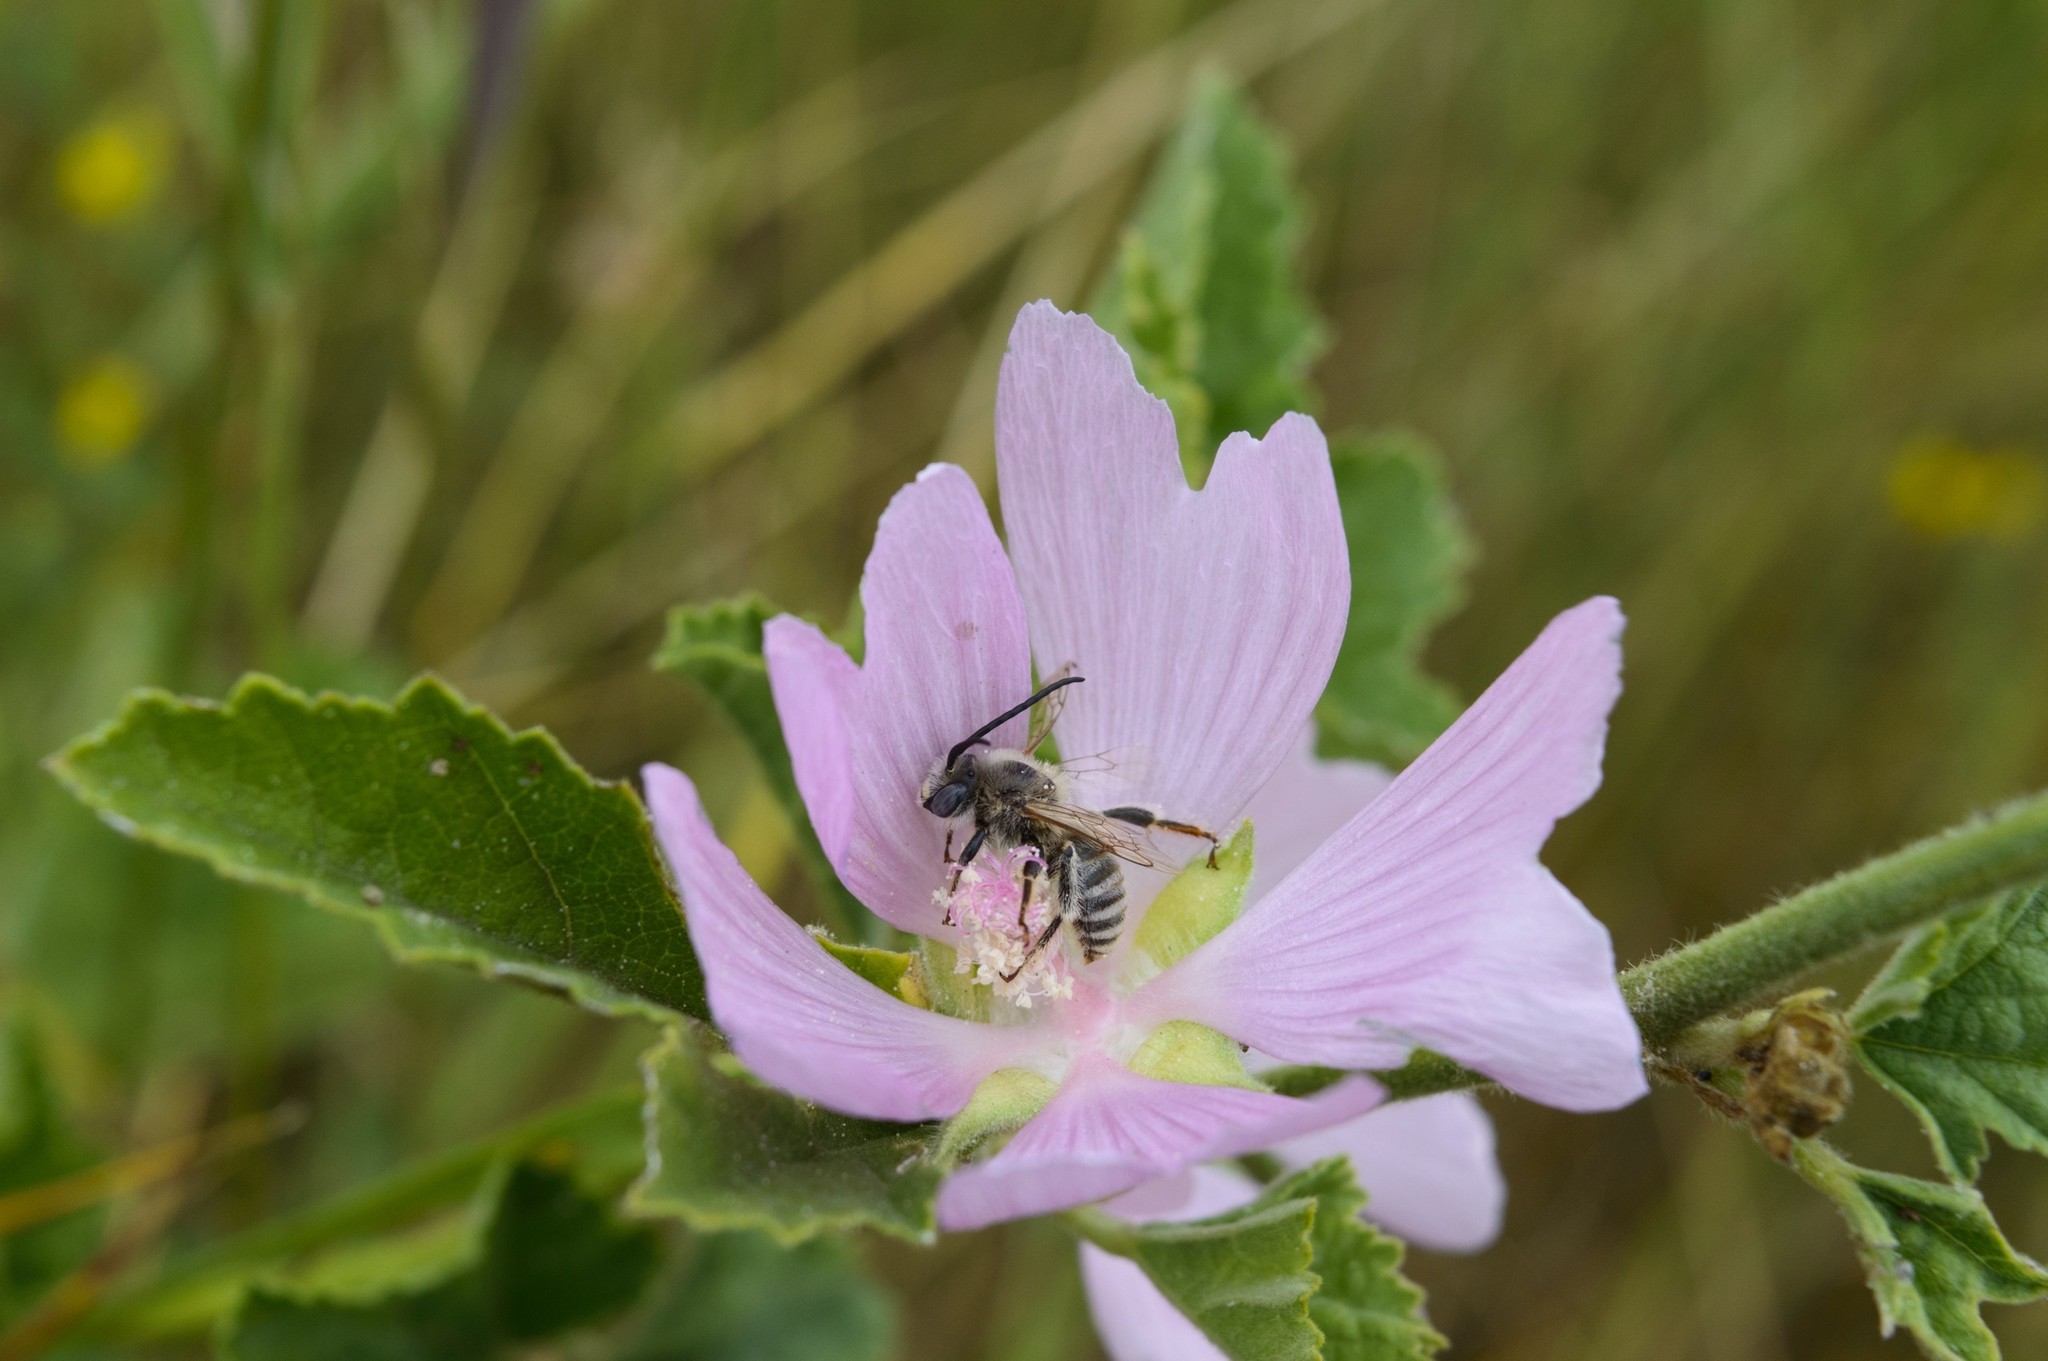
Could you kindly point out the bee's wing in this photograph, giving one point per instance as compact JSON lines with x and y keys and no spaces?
{"x":1085,"y":824}
{"x":1048,"y":714}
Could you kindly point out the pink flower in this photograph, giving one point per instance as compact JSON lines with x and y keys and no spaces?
{"x":1205,"y":624}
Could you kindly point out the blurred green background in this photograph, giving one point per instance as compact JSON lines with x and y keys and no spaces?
{"x":346,"y":339}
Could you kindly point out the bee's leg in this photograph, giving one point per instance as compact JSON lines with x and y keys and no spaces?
{"x":1056,"y":881}
{"x":1145,"y":817}
{"x":1032,"y":869}
{"x":966,"y":857}
{"x":1043,"y":936}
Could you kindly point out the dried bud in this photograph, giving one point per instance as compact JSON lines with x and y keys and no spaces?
{"x":1797,"y":1070}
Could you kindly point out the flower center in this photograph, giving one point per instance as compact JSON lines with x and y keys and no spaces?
{"x":1004,"y":940}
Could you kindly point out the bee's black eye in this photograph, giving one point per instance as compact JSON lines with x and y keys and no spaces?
{"x":947,"y":799}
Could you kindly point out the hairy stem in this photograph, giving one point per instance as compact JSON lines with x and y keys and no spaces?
{"x":1748,"y":960}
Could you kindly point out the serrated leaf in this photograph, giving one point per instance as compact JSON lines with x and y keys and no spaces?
{"x":1408,"y":559}
{"x":37,"y":1146}
{"x":1367,"y":1310}
{"x":1293,"y":1274}
{"x":462,"y":841}
{"x":1243,"y":1278}
{"x":726,"y":1152}
{"x":1204,"y":293}
{"x":742,"y":1297}
{"x":1931,"y":1253}
{"x":1956,"y":1026}
{"x":548,"y":1258}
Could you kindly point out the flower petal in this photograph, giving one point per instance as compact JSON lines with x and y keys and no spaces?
{"x":798,"y":1017}
{"x":946,"y":652}
{"x":1428,"y":919}
{"x":1206,"y":623}
{"x":1302,"y":806}
{"x":1135,"y":1321}
{"x":1427,"y":1167}
{"x":814,"y":683}
{"x":1108,"y":1130}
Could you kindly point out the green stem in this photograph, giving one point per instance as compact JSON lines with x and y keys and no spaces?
{"x":1102,"y":1229}
{"x":181,"y":1292}
{"x":1748,"y":961}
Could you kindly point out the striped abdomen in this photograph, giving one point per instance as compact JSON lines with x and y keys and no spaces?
{"x":1091,"y":896}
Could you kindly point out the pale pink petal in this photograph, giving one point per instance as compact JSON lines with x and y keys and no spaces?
{"x":1427,"y":1167}
{"x":1206,"y":623}
{"x":798,"y":1017}
{"x":1135,"y":1321}
{"x":1107,"y":1130}
{"x":814,"y":683}
{"x":1428,"y":919}
{"x":946,"y":652}
{"x":1201,"y":1191}
{"x":1302,"y":806}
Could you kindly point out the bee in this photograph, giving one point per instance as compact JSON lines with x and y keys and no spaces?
{"x":1015,"y":800}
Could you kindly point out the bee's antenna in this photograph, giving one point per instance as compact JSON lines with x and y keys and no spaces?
{"x":953,"y":756}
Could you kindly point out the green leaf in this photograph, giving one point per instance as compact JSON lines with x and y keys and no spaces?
{"x":1293,"y":1274}
{"x":547,"y":1258}
{"x":1367,"y":1310}
{"x":743,"y":1297}
{"x":1408,"y":559}
{"x":462,"y":841}
{"x":1243,"y":1278}
{"x":556,"y":1259}
{"x":1931,"y":1253}
{"x":1204,"y":293}
{"x":726,"y":1152}
{"x":1956,"y":1026}
{"x":719,"y":647}
{"x":37,"y":1146}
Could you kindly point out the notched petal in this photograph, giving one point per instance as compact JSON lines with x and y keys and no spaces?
{"x":946,"y":651}
{"x":1206,"y":623}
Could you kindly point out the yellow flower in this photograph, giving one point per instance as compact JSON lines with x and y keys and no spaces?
{"x":102,"y":410}
{"x":1945,"y":489}
{"x":107,"y":170}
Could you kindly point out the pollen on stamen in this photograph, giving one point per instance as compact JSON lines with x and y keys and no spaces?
{"x":996,"y":936}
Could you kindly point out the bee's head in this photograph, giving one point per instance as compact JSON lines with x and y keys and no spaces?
{"x":948,"y":792}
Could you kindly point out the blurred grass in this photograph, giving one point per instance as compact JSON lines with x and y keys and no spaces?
{"x":345,"y":371}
